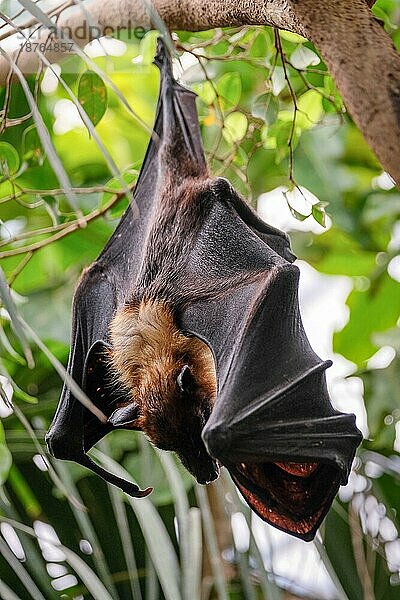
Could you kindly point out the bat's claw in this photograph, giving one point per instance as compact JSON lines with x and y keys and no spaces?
{"x":143,"y":493}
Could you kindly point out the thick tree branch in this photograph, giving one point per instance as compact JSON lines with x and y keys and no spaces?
{"x":101,"y":17}
{"x":359,"y":53}
{"x":366,"y":69}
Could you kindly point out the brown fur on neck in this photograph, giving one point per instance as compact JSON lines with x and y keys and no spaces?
{"x":149,"y":351}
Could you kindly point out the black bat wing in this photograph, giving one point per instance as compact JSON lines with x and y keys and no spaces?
{"x":273,"y":425}
{"x":104,"y":287}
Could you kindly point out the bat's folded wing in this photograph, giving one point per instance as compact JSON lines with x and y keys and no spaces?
{"x":75,"y":429}
{"x":273,"y":425}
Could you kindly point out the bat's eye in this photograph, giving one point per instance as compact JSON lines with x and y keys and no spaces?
{"x":185,"y":380}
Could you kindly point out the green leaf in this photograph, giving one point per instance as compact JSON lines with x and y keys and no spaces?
{"x":158,"y":542}
{"x":9,"y":159}
{"x":8,"y":301}
{"x":387,"y":486}
{"x":24,"y":493}
{"x":92,"y":95}
{"x":278,"y":80}
{"x":21,"y":395}
{"x":206,"y":92}
{"x":182,"y":515}
{"x":5,"y":457}
{"x":297,"y":215}
{"x":241,"y":159}
{"x":295,"y":38}
{"x":235,"y":127}
{"x":381,"y":402}
{"x":380,"y":207}
{"x":310,"y":109}
{"x":338,"y":535}
{"x":371,"y":311}
{"x":32,"y":146}
{"x":147,"y":48}
{"x":229,"y":88}
{"x":266,"y":107}
{"x":382,"y":16}
{"x":283,"y":131}
{"x":319,"y":214}
{"x":337,"y":253}
{"x":261,"y":46}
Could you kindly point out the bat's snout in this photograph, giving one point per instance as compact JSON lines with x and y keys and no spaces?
{"x":208,"y":476}
{"x":203,"y":468}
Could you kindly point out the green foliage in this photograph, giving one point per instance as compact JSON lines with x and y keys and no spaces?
{"x":9,"y":161}
{"x":373,"y":310}
{"x":32,"y":150}
{"x":92,"y":94}
{"x":229,"y":89}
{"x":5,"y":457}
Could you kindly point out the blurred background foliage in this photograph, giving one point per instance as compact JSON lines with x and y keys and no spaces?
{"x":271,"y":117}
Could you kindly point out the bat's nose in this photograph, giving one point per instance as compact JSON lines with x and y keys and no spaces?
{"x":208,"y":476}
{"x":204,"y":468}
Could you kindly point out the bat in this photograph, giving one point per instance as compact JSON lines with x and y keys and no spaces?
{"x":187,"y":328}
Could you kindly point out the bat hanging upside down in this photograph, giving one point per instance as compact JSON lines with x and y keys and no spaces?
{"x":170,"y":382}
{"x":187,"y":328}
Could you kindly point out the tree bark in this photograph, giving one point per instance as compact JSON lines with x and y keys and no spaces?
{"x":365,"y":66}
{"x":359,"y":53}
{"x":189,"y":15}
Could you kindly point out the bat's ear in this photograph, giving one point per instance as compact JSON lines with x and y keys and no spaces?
{"x":124,"y":415}
{"x":185,"y":380}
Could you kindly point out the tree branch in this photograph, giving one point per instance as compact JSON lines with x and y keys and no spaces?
{"x":87,"y":21}
{"x":359,"y":53}
{"x":365,"y":66}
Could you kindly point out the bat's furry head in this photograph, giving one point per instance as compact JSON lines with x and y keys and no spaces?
{"x":171,"y":382}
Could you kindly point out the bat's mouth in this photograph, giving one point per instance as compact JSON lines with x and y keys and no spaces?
{"x":293,"y":496}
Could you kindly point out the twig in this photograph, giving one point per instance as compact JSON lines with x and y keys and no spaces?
{"x":55,"y":192}
{"x":359,"y":554}
{"x":19,"y":268}
{"x":70,"y":228}
{"x":294,"y":99}
{"x":52,"y":13}
{"x":52,"y":228}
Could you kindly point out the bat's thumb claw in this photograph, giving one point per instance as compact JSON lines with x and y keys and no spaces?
{"x":124,"y":415}
{"x":143,"y":493}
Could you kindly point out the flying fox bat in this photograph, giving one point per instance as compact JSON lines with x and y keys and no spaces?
{"x":187,"y":328}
